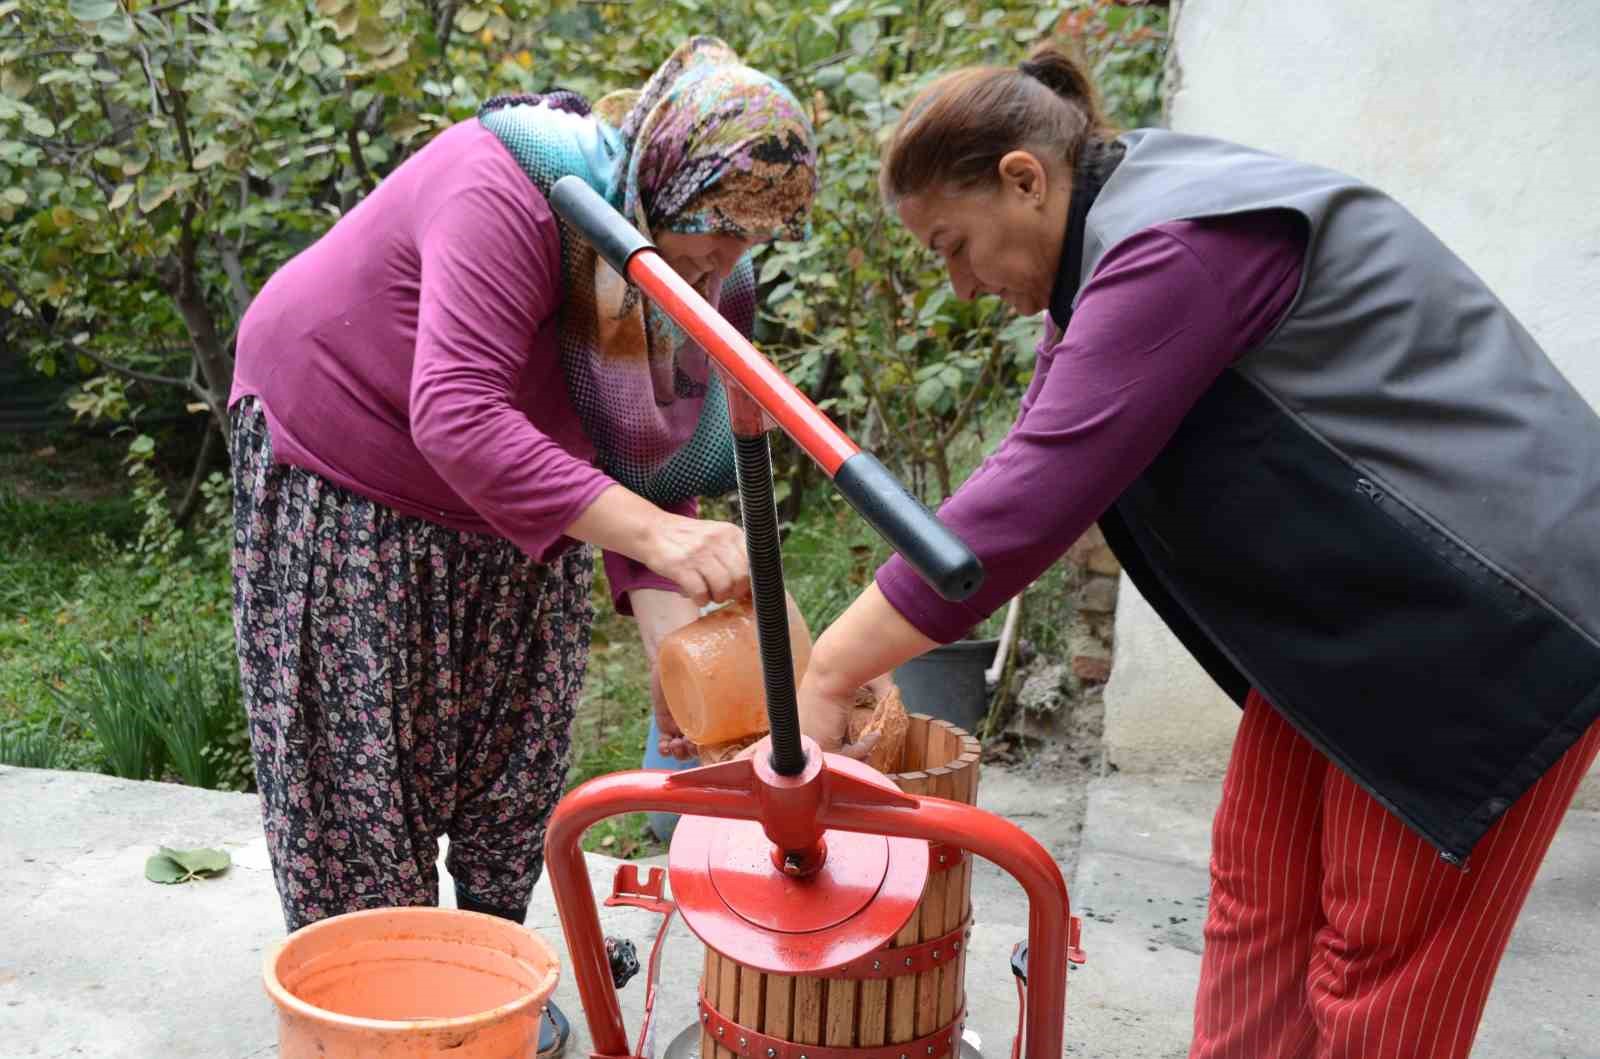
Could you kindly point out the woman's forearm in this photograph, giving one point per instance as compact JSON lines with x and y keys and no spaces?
{"x":868,"y":640}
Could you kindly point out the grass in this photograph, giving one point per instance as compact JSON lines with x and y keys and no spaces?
{"x":83,"y":622}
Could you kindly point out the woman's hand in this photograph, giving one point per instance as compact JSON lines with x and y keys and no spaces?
{"x":673,"y":743}
{"x":658,"y":614}
{"x":825,"y":707}
{"x":868,"y":641}
{"x":704,"y":558}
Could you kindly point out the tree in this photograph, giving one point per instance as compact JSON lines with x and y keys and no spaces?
{"x":160,"y":158}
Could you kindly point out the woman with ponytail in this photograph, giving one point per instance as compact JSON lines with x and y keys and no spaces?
{"x":1349,"y":481}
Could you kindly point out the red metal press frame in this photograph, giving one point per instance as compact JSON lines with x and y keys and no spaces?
{"x":738,"y":790}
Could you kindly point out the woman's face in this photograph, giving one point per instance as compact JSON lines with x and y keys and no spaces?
{"x":1002,"y":239}
{"x":700,"y":258}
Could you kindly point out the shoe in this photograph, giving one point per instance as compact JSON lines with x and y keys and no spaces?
{"x":554,"y":1029}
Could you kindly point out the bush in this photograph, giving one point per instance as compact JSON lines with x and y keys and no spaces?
{"x":153,"y":716}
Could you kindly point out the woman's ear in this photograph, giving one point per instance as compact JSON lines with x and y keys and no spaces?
{"x":1023,"y":174}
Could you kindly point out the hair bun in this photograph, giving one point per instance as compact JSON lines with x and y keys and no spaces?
{"x":1059,"y":72}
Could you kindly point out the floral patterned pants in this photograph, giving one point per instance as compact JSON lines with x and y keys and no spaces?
{"x":404,"y":681}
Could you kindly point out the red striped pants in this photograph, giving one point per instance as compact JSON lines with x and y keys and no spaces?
{"x":1334,"y":932}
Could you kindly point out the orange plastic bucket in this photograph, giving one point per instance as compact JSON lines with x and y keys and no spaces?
{"x":405,"y":982}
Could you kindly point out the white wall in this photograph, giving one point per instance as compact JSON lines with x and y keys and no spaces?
{"x":1483,"y":118}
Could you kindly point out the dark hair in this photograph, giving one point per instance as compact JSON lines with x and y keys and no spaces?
{"x":957,"y":129}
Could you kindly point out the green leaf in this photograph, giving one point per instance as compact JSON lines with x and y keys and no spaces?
{"x":373,"y":37}
{"x":140,"y":447}
{"x":862,"y":85}
{"x":153,"y":195}
{"x":955,"y":18}
{"x":780,"y":292}
{"x":136,"y":163}
{"x":202,"y":861}
{"x":115,"y":30}
{"x":120,"y":197}
{"x":15,"y":196}
{"x":863,"y":35}
{"x":928,"y":394}
{"x":108,"y":156}
{"x":39,"y":125}
{"x":211,"y":154}
{"x":180,"y":865}
{"x":332,"y":57}
{"x":84,"y":58}
{"x":92,"y":10}
{"x":331,"y":7}
{"x":14,"y":83}
{"x":471,"y":19}
{"x":771,"y":269}
{"x":161,"y":868}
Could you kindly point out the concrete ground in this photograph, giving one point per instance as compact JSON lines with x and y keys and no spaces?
{"x":95,"y":961}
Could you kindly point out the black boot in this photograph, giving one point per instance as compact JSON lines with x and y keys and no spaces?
{"x":554,"y":1029}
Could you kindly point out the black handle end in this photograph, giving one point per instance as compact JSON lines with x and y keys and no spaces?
{"x":607,"y":230}
{"x":933,"y":550}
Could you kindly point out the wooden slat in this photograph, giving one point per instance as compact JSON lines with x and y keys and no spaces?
{"x":943,"y":744}
{"x":872,"y":1013}
{"x":728,"y":999}
{"x":952,"y":978}
{"x":972,"y":750}
{"x":902,"y":1017}
{"x":751,"y":991}
{"x":841,"y":1020}
{"x":808,"y":993}
{"x":941,"y":784}
{"x":972,"y":754}
{"x":708,"y":982}
{"x":777,"y":1018}
{"x":916,"y":752}
{"x":912,"y":782}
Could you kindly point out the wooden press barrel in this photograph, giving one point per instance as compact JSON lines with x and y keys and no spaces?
{"x":940,"y":760}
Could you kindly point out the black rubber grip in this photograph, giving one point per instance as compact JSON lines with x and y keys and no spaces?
{"x":607,"y":230}
{"x":936,"y":553}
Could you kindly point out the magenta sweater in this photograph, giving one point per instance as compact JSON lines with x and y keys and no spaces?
{"x":409,"y":355}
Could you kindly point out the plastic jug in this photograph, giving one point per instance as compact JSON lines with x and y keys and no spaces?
{"x":711,"y":672}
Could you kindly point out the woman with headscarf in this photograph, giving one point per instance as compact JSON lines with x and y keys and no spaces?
{"x":438,"y":407}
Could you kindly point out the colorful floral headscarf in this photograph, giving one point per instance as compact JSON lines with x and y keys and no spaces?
{"x":708,"y":145}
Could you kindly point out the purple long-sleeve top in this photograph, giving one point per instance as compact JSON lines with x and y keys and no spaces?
{"x":1164,"y":313}
{"x":409,"y":355}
